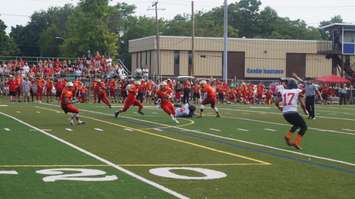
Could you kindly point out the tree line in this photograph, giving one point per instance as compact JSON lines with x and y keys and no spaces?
{"x":94,"y":25}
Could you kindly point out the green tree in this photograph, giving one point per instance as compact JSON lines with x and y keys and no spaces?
{"x":87,"y":29}
{"x":335,"y":19}
{"x":7,"y":45}
{"x":49,"y":40}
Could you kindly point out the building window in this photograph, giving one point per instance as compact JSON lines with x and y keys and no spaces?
{"x":176,"y":57}
{"x":190,"y":57}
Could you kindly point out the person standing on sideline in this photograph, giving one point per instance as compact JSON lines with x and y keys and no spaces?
{"x":310,"y":92}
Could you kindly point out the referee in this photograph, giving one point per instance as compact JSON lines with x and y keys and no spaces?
{"x":310,"y":92}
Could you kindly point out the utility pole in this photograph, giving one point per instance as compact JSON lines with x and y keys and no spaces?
{"x":192,"y":70}
{"x":225,"y":53}
{"x":155,"y":5}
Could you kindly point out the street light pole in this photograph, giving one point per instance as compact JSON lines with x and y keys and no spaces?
{"x":155,"y":5}
{"x":225,"y":53}
{"x":191,"y":71}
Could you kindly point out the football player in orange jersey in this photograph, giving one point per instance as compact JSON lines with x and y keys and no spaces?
{"x":67,"y":100}
{"x":102,"y":93}
{"x":208,"y":96}
{"x":131,"y":99}
{"x":164,"y":94}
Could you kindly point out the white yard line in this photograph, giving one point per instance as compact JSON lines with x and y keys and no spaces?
{"x":244,"y":130}
{"x":217,"y":130}
{"x":351,"y":130}
{"x":233,"y":139}
{"x":272,"y":130}
{"x":158,"y":129}
{"x":7,"y":129}
{"x":3,"y":105}
{"x":98,"y":129}
{"x":69,"y":129}
{"x":140,"y":178}
{"x":8,"y":173}
{"x":127,"y":129}
{"x":274,"y":113}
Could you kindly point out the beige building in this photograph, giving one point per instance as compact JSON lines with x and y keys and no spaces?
{"x":247,"y":58}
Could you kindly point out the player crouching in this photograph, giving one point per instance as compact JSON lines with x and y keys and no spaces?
{"x":289,"y":98}
{"x":67,"y":100}
{"x":164,"y":94}
{"x":208,"y":96}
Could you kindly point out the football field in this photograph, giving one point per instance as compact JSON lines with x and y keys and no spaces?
{"x":241,"y":155}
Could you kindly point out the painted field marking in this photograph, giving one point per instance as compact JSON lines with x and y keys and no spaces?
{"x":172,"y":139}
{"x":272,"y":130}
{"x":281,"y":124}
{"x":8,"y":173}
{"x":272,"y":113}
{"x":198,"y":131}
{"x":7,"y":129}
{"x":98,"y":129}
{"x":68,"y":129}
{"x":128,"y":129}
{"x":158,"y":129}
{"x":38,"y":112}
{"x":48,"y":130}
{"x":259,"y":107}
{"x":244,"y":130}
{"x":217,"y":130}
{"x":154,"y":184}
{"x":3,"y":105}
{"x":18,"y":111}
{"x":351,"y":130}
{"x":128,"y":165}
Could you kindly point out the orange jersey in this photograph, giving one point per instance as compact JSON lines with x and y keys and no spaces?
{"x":132,"y":91}
{"x":149,"y":86}
{"x":209,"y":90}
{"x":165,"y":94}
{"x":66,"y":96}
{"x":40,"y":83}
{"x":49,"y":84}
{"x":77,"y":84}
{"x":112,"y":84}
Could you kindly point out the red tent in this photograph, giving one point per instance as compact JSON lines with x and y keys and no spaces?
{"x":332,"y":79}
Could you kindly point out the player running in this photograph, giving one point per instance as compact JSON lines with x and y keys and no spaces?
{"x":287,"y":103}
{"x":131,"y":99}
{"x":208,"y":96}
{"x":102,"y":95}
{"x":67,"y":100}
{"x":165,"y":94}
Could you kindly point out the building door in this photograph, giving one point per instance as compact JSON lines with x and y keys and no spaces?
{"x":296,"y":63}
{"x":176,"y":63}
{"x":236,"y":65}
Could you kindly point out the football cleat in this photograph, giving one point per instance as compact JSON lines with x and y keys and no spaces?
{"x":116,"y":114}
{"x":81,"y":122}
{"x":298,"y":147}
{"x":140,"y":112}
{"x":218,"y":115}
{"x":288,"y":142}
